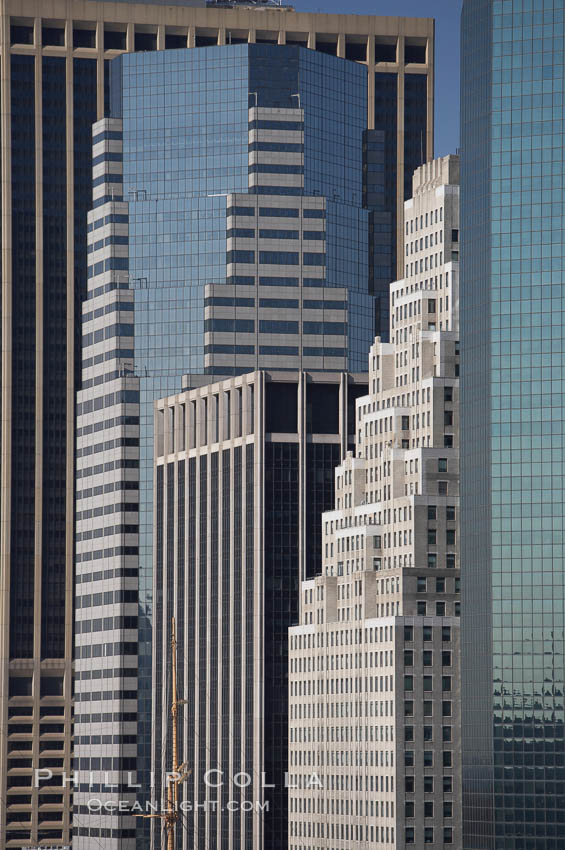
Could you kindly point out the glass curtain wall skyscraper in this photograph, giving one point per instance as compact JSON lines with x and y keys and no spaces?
{"x":512,"y":335}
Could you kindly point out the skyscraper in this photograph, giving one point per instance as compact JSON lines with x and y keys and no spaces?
{"x":512,"y":425}
{"x":374,"y":719}
{"x":55,"y":62}
{"x":241,"y":466}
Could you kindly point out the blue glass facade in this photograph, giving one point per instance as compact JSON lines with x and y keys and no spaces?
{"x":512,"y":424}
{"x":186,"y":118}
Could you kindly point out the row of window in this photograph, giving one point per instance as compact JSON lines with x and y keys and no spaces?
{"x":274,"y":326}
{"x":427,"y":683}
{"x":280,"y":258}
{"x":447,"y":836}
{"x":425,"y":220}
{"x":276,"y":212}
{"x":428,"y":758}
{"x":264,"y":233}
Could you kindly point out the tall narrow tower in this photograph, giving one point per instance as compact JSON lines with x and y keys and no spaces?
{"x":513,"y":402}
{"x":374,"y":676}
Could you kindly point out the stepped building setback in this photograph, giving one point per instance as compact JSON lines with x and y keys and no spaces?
{"x":374,"y":740}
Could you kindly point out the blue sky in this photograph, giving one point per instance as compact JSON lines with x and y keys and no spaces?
{"x":446,"y":14}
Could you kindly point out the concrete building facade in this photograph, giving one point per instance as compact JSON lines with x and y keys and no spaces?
{"x":374,"y":678}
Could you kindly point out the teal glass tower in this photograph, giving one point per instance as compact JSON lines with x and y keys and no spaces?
{"x":513,"y":402}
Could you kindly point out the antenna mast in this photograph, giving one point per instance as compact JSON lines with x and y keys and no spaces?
{"x":170,"y":816}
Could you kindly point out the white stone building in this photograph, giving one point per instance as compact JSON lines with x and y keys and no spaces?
{"x":374,"y":743}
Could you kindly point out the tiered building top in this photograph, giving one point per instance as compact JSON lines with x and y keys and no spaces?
{"x":374,"y":671}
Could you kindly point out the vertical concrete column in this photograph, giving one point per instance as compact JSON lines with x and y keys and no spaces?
{"x":282,"y":36}
{"x":311,"y":40}
{"x":191,"y":37}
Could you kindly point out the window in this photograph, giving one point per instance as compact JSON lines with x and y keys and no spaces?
{"x":447,"y":834}
{"x":428,"y":708}
{"x":310,"y":258}
{"x":442,"y":488}
{"x":446,"y":658}
{"x":450,"y":561}
{"x":428,"y":683}
{"x":447,"y":810}
{"x":408,"y":683}
{"x":283,"y":258}
{"x":405,"y":423}
{"x":240,"y":256}
{"x":446,"y":734}
{"x":448,"y":441}
{"x":409,"y":809}
{"x":431,"y":536}
{"x":428,"y":785}
{"x":446,"y":708}
{"x":409,"y":784}
{"x":440,"y":609}
{"x":268,"y":233}
{"x":272,"y":326}
{"x":446,"y":683}
{"x":450,"y":513}
{"x":427,"y":657}
{"x":448,"y":417}
{"x":408,"y":633}
{"x":421,"y":584}
{"x":450,"y":537}
{"x":447,"y":784}
{"x":447,"y":758}
{"x":279,"y":212}
{"x":442,"y":464}
{"x":432,"y":560}
{"x":431,"y":305}
{"x":421,"y":609}
{"x":428,"y":835}
{"x":408,"y":733}
{"x":440,"y":585}
{"x":446,"y":633}
{"x":408,"y":708}
{"x":457,"y":609}
{"x":428,"y":809}
{"x":409,"y":657}
{"x":448,"y":393}
{"x":409,"y":758}
{"x":457,"y":585}
{"x":428,"y":733}
{"x":432,"y":512}
{"x":409,"y":835}
{"x":428,"y":758}
{"x":427,"y":633}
